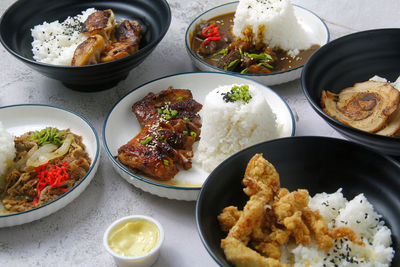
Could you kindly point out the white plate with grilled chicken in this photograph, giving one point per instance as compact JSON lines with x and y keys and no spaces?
{"x":25,"y":205}
{"x":121,"y":126}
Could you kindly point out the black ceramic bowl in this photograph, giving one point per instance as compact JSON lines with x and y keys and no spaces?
{"x":319,"y":164}
{"x":17,"y":21}
{"x":345,"y":61}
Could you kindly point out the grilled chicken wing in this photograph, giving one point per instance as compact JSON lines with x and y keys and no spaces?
{"x":127,"y":36}
{"x":170,"y":128}
{"x":89,"y":51}
{"x":100,"y":22}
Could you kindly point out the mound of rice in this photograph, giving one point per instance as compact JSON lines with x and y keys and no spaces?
{"x":273,"y":22}
{"x":359,"y":215}
{"x":55,"y":42}
{"x":7,"y":151}
{"x":232,"y":126}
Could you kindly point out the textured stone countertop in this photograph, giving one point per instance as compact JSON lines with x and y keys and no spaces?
{"x":73,"y":235}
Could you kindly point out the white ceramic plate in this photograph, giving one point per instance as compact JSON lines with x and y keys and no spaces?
{"x":121,"y":126}
{"x":313,"y":25}
{"x":19,"y":119}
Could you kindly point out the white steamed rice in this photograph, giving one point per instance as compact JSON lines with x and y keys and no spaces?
{"x":277,"y":22}
{"x":233,"y":126}
{"x":7,"y":151}
{"x":359,"y":215}
{"x":55,"y":42}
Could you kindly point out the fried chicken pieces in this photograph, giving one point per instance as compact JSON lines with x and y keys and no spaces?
{"x":272,"y":217}
{"x":170,"y":126}
{"x":106,"y":41}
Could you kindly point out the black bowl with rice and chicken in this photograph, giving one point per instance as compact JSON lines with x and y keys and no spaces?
{"x":106,"y":57}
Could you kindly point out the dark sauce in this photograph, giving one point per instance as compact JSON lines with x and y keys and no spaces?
{"x":281,"y":61}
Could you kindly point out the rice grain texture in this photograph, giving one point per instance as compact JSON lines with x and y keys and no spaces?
{"x":55,"y":42}
{"x":7,"y":151}
{"x":272,"y":22}
{"x":359,"y":215}
{"x":229,"y":127}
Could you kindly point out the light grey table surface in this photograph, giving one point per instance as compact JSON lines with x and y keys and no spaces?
{"x":73,"y":235}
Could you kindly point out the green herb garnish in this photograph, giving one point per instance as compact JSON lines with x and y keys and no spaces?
{"x":230,"y":64}
{"x":262,"y":56}
{"x":178,"y":98}
{"x":147,"y":140}
{"x":159,"y":110}
{"x":166,"y":162}
{"x":48,"y":136}
{"x":244,"y":71}
{"x":237,"y":93}
{"x":193,"y":134}
{"x":174,"y":112}
{"x":186,"y":119}
{"x":265,"y":65}
{"x":241,"y":53}
{"x":221,"y":52}
{"x":185,"y":132}
{"x":166,"y":116}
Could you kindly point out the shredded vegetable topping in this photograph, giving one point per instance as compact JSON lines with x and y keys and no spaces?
{"x":237,"y":93}
{"x":212,"y":34}
{"x":48,"y":136}
{"x":50,"y":177}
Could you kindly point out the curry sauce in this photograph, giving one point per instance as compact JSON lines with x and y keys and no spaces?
{"x":225,"y":52}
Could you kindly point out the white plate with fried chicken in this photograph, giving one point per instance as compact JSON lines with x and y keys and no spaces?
{"x":147,"y":156}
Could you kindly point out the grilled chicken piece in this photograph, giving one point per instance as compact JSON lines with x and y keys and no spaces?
{"x":89,"y":51}
{"x":128,"y":31}
{"x":181,"y":100}
{"x":170,"y":128}
{"x":100,"y":22}
{"x":152,"y":158}
{"x":155,"y":150}
{"x":127,"y":39}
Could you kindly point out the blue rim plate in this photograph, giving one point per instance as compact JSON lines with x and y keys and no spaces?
{"x":121,"y":125}
{"x":18,"y":119}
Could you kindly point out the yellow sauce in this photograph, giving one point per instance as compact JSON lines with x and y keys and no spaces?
{"x":134,"y":238}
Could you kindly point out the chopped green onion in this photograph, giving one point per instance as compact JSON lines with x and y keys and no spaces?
{"x":244,"y":71}
{"x":185,"y":132}
{"x":193,"y":134}
{"x":159,"y":110}
{"x":237,"y":93}
{"x":166,"y":162}
{"x":166,"y":111}
{"x":178,"y":98}
{"x":186,"y":119}
{"x":147,"y":140}
{"x":221,"y":52}
{"x":174,"y":113}
{"x":165,"y":116}
{"x":230,"y":64}
{"x":241,"y":53}
{"x":265,"y":65}
{"x":262,"y":56}
{"x":48,"y":135}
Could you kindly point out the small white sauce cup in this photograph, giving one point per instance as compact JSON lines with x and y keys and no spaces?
{"x":139,"y":261}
